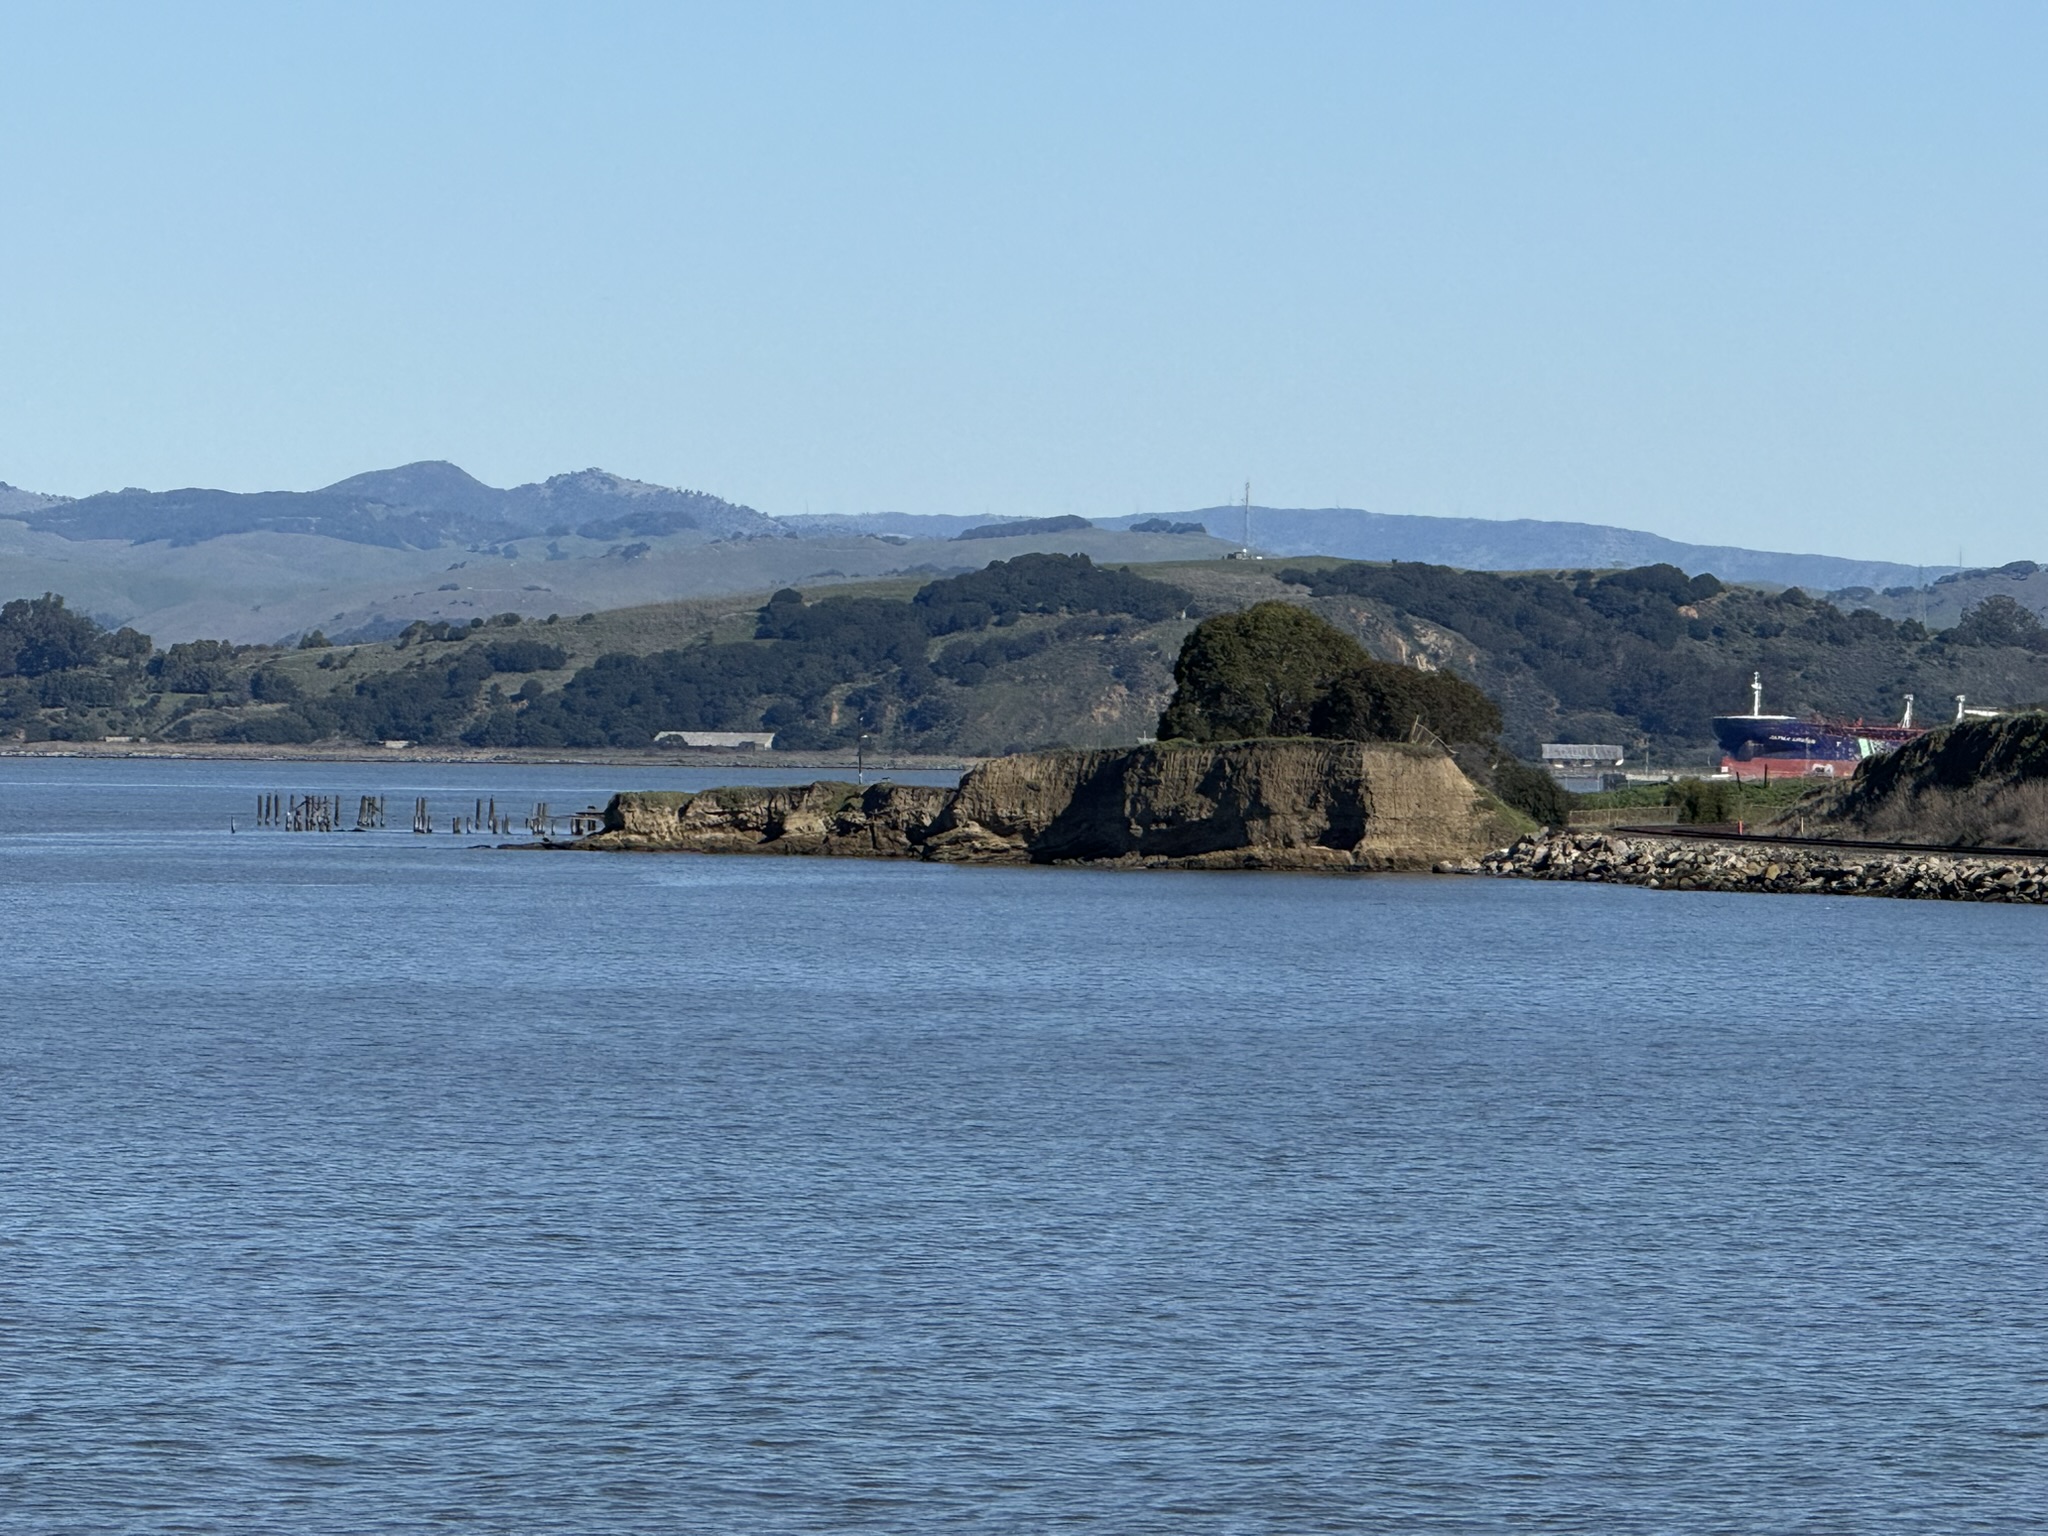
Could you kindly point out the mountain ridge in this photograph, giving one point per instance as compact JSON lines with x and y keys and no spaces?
{"x":1468,"y":543}
{"x":371,"y":552}
{"x":432,"y":502}
{"x":1531,"y":544}
{"x":424,"y":505}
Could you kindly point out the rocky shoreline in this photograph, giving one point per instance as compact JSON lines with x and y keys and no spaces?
{"x":1264,"y":804}
{"x":1684,"y":865}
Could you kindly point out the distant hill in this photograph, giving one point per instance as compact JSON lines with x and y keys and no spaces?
{"x":1529,"y":544}
{"x":1942,"y":602}
{"x":15,"y":502}
{"x":371,"y":553}
{"x":416,"y":506}
{"x":901,"y":525}
{"x":1468,"y":543}
{"x":368,"y":555}
{"x":433,"y":504}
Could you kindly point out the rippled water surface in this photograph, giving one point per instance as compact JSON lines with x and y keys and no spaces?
{"x":377,"y":1182}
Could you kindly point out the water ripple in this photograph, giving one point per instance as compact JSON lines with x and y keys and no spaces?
{"x":382,"y":1184}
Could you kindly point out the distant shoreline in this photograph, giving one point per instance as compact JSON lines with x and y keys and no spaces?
{"x":503,"y":756}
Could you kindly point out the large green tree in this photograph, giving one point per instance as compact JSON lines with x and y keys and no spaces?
{"x":1276,"y":669}
{"x":1262,"y":672}
{"x":39,"y":635}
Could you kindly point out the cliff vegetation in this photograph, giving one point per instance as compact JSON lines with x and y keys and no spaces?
{"x":1979,"y":784}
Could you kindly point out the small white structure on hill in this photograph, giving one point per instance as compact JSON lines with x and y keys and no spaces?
{"x":717,"y":741}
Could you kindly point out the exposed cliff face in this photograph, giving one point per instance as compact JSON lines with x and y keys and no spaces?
{"x":1254,"y":804}
{"x":878,"y":821}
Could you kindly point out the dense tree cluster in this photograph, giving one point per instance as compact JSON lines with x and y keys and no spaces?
{"x":1276,"y":669}
{"x":2000,"y":620}
{"x":1018,"y":527}
{"x":1666,"y":652}
{"x":525,"y":656}
{"x":1004,"y":590}
{"x":39,"y":635}
{"x":54,"y":658}
{"x":194,"y":666}
{"x":419,"y":631}
{"x":1532,"y":616}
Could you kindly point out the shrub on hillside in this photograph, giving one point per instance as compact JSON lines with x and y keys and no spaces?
{"x":1532,"y":791}
{"x":1043,"y":584}
{"x":194,"y":666}
{"x":1701,"y":802}
{"x":525,"y":656}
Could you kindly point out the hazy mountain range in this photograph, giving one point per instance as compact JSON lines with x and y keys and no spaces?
{"x":1526,"y":544}
{"x":417,"y":506}
{"x":372,"y":552}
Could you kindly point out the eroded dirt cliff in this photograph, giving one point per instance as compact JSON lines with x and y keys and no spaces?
{"x":1239,"y":805}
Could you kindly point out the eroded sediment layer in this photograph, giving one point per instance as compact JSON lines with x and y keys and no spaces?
{"x":1246,"y":805}
{"x":1672,"y":864}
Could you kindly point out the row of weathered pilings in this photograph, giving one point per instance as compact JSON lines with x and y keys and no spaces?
{"x":316,"y":813}
{"x":1672,"y":864}
{"x":324,"y":813}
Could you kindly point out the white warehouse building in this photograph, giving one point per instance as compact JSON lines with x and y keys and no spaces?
{"x":1584,"y":768}
{"x":717,"y":741}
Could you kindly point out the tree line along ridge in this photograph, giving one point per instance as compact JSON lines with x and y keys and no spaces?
{"x":1042,"y":649}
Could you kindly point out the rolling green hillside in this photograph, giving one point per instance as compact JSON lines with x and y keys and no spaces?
{"x":1036,"y":649}
{"x":1652,"y":655}
{"x":1033,"y":651}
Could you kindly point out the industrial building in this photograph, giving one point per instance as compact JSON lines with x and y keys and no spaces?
{"x":1584,"y":768}
{"x":717,"y":741}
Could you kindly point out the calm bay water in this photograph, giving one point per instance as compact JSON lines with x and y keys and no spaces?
{"x":380,"y":1182}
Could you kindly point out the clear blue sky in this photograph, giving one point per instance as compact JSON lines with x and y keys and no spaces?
{"x":1768,"y":275}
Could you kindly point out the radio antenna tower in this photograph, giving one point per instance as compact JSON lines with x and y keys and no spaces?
{"x":1247,"y":517}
